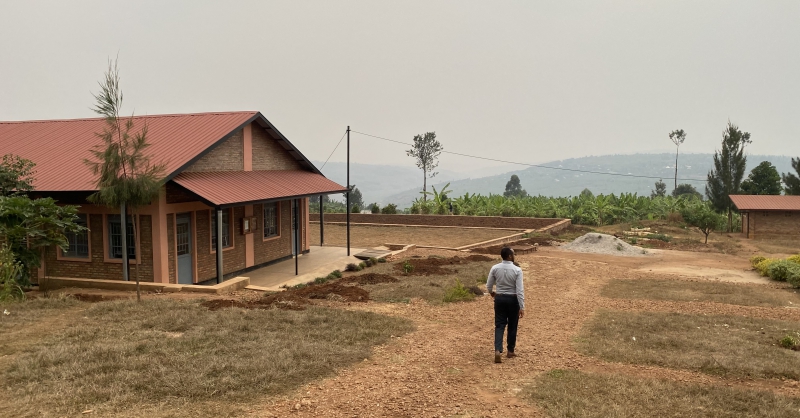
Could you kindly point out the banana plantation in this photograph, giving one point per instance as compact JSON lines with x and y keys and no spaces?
{"x":585,"y":209}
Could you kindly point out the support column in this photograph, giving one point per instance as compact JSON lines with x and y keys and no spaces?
{"x":249,"y":241}
{"x":296,"y":216}
{"x":321,"y":222}
{"x":160,"y":238}
{"x":219,"y":246}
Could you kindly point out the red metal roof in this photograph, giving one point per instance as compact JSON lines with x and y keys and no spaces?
{"x":58,"y":147}
{"x":766,"y":202}
{"x":229,"y":187}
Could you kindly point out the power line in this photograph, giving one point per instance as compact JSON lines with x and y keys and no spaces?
{"x":334,"y":150}
{"x":526,"y":164}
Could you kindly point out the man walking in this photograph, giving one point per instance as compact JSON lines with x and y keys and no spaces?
{"x":509,"y":301}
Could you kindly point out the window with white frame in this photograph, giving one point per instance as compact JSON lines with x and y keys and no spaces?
{"x":115,"y":237}
{"x":78,"y":242}
{"x":226,"y":229}
{"x":271,"y":220}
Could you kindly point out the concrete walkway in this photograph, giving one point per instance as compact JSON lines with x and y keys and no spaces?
{"x":318,"y":262}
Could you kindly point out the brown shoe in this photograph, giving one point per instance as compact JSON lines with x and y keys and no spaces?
{"x":498,"y":357}
{"x":511,"y":354}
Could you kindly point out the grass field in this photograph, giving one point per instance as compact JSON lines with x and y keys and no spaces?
{"x":705,"y":291}
{"x":729,"y":346}
{"x":169,"y":357}
{"x":570,"y":393}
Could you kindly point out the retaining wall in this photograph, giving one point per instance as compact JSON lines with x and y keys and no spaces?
{"x":444,"y":220}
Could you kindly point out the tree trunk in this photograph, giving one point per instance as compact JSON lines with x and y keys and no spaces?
{"x":424,"y":186}
{"x":676,"y":168}
{"x":730,"y":220}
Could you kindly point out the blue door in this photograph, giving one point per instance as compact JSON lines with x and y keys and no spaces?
{"x":183,"y":237}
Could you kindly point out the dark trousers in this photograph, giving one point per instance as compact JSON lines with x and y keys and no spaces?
{"x":506,"y":312}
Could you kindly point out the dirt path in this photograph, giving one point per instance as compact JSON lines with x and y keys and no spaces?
{"x":445,"y":368}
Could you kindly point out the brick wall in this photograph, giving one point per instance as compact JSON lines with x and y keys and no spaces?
{"x":268,"y":154}
{"x":99,"y":269}
{"x":177,"y":194}
{"x":232,"y":259}
{"x":274,"y":248}
{"x":227,"y":156}
{"x":171,"y":247}
{"x":441,"y":220}
{"x":774,"y":224}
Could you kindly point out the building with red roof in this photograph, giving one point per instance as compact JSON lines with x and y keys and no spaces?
{"x":767,"y":216}
{"x":232,"y":166}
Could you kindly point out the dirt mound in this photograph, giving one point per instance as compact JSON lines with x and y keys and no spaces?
{"x":495,"y":249}
{"x":434,"y":265}
{"x":604,"y":244}
{"x":295,"y":299}
{"x":369,"y":278}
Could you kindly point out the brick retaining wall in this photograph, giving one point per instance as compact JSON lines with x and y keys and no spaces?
{"x":441,"y":220}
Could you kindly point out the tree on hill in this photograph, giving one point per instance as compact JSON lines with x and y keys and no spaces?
{"x":587,"y":194}
{"x":514,"y":188}
{"x":791,"y":180}
{"x":660,"y":191}
{"x":763,"y":180}
{"x":686,"y":189}
{"x":725,"y":178}
{"x":702,"y":217}
{"x":355,"y":197}
{"x":125,"y":177}
{"x":677,"y":137}
{"x":426,"y":151}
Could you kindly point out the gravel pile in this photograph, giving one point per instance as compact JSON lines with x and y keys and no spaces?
{"x":604,"y":244}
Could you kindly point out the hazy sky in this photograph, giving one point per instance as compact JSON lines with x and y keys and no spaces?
{"x":530,"y":81}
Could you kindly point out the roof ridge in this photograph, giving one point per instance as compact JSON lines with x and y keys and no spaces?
{"x":165,"y":115}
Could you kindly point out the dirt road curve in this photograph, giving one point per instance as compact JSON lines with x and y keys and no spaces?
{"x":445,"y":368}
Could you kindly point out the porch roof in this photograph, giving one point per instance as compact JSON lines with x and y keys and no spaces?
{"x":229,"y":188}
{"x":766,"y":202}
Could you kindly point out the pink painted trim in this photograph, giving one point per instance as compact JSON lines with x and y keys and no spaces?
{"x":249,"y":241}
{"x":247,"y":147}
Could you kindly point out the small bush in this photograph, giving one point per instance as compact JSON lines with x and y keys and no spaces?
{"x":337,"y":274}
{"x":458,"y":293}
{"x":620,"y":247}
{"x":352,"y":267}
{"x":763,"y":266}
{"x":362,"y":264}
{"x":788,"y":342}
{"x":320,"y":280}
{"x":407,"y":267}
{"x":390,"y":209}
{"x":794,"y":259}
{"x":660,"y":237}
{"x":330,"y":277}
{"x":754,"y":260}
{"x":374,"y":208}
{"x":783,"y":270}
{"x":634,"y":241}
{"x":299,"y":286}
{"x":367,"y":263}
{"x":373,"y":260}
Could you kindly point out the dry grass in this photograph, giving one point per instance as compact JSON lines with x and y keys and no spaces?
{"x":362,"y":236}
{"x":729,"y":346}
{"x":685,"y":291}
{"x":780,"y":247}
{"x":569,"y":393}
{"x":431,"y":288}
{"x":176,"y":358}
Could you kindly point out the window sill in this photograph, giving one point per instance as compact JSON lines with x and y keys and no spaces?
{"x":272,"y":238}
{"x":87,"y":259}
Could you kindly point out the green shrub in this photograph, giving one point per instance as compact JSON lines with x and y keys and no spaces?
{"x":634,"y":241}
{"x":407,"y":267}
{"x":381,"y":260}
{"x":299,"y":286}
{"x":458,"y":293}
{"x":754,"y":260}
{"x":320,"y":280}
{"x":660,"y":237}
{"x":373,"y":260}
{"x":330,"y":277}
{"x":763,"y":266}
{"x":352,"y":267}
{"x":783,"y":270}
{"x":374,"y":208}
{"x":367,"y":263}
{"x":337,"y":274}
{"x":788,"y":342}
{"x":390,"y":209}
{"x":10,"y":271}
{"x":362,"y":264}
{"x":794,"y":259}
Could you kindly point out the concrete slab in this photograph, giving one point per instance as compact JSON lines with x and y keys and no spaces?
{"x":319,"y":261}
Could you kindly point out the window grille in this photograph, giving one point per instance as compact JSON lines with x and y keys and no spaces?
{"x":270,"y":220}
{"x":115,"y":237}
{"x":226,"y":229}
{"x":78,"y":242}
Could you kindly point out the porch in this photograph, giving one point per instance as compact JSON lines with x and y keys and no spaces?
{"x":319,"y":261}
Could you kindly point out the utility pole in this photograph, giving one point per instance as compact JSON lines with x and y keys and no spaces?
{"x":347,"y":200}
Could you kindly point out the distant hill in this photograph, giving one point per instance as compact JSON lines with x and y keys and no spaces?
{"x":547,"y":182}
